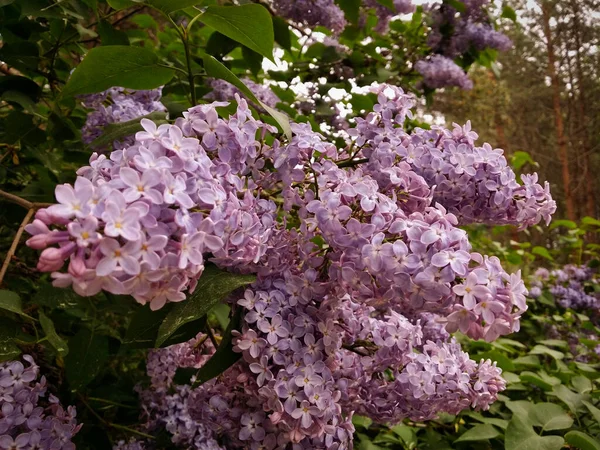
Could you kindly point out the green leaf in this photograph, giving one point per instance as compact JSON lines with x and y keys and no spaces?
{"x":248,"y":24}
{"x":587,"y":220}
{"x":521,"y":408}
{"x":253,"y":60}
{"x":509,"y":13}
{"x":217,"y":70}
{"x":88,"y":352}
{"x":568,"y":397}
{"x":24,"y":85}
{"x":407,"y":434}
{"x":550,"y":417}
{"x":8,"y":348}
{"x":555,"y":343}
{"x":169,"y":6}
{"x":543,"y":350}
{"x":501,"y":423}
{"x":213,"y":286}
{"x":389,"y":4}
{"x":569,"y":224}
{"x":351,"y":9}
{"x":593,"y":410}
{"x":541,"y":251}
{"x":10,"y":301}
{"x":582,"y":441}
{"x":55,"y":340}
{"x":281,"y":32}
{"x":22,"y":55}
{"x":519,"y":159}
{"x":581,"y":384}
{"x":361,"y":421}
{"x":479,"y":433}
{"x":117,"y":65}
{"x":543,"y":381}
{"x":224,"y":357}
{"x":111,"y":36}
{"x":143,"y":328}
{"x":520,"y":436}
{"x":115,"y":131}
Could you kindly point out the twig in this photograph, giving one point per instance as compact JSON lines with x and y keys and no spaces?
{"x":110,"y":402}
{"x":352,"y":162}
{"x":110,"y":424}
{"x":15,"y":243}
{"x":212,"y":336}
{"x":23,"y":202}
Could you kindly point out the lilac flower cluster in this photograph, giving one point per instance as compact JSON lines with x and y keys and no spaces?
{"x":223,"y":91}
{"x":474,"y":183}
{"x":117,"y":105}
{"x":572,"y":287}
{"x":30,"y":417}
{"x":385,"y":14}
{"x":325,"y":13}
{"x":439,"y":71}
{"x":139,"y":222}
{"x":454,"y":34}
{"x":359,"y":262}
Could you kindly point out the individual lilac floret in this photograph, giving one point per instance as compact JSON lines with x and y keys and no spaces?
{"x":117,"y":105}
{"x":223,"y":91}
{"x":30,"y":417}
{"x":439,"y":71}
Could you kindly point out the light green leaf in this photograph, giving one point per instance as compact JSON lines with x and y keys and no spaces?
{"x":543,"y":350}
{"x":550,"y":417}
{"x":117,"y":65}
{"x":10,"y":301}
{"x":115,"y":131}
{"x":361,"y":421}
{"x":582,"y":384}
{"x":521,"y":408}
{"x":479,"y":433}
{"x":571,"y":399}
{"x":407,"y":434}
{"x":501,"y":423}
{"x":88,"y":352}
{"x":541,"y":380}
{"x":520,"y":436}
{"x":55,"y":340}
{"x":213,"y":286}
{"x":541,"y":251}
{"x":593,"y":410}
{"x":121,"y":4}
{"x":248,"y":24}
{"x":217,"y":70}
{"x":582,"y":441}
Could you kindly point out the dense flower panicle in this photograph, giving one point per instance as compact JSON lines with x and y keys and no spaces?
{"x":439,"y":71}
{"x":572,"y":287}
{"x":30,"y":417}
{"x":325,"y":13}
{"x":358,"y":256}
{"x":140,"y":221}
{"x":223,"y":91}
{"x":454,"y":34}
{"x":117,"y":105}
{"x":474,"y":183}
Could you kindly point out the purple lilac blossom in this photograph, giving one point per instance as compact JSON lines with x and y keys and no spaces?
{"x":572,"y":287}
{"x":454,"y":34}
{"x":311,"y":13}
{"x":117,"y":105}
{"x":223,"y":91}
{"x":439,"y":71}
{"x":385,"y":14}
{"x":31,"y":417}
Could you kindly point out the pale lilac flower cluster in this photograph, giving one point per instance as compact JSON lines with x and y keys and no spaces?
{"x":455,"y":33}
{"x":117,"y":105}
{"x":325,"y":13}
{"x":475,"y":183}
{"x":439,"y":71}
{"x":223,"y":91}
{"x":30,"y":417}
{"x":572,"y":287}
{"x":350,"y":247}
{"x":140,"y":221}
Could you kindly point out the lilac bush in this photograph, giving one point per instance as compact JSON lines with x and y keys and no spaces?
{"x":30,"y":416}
{"x":362,"y":271}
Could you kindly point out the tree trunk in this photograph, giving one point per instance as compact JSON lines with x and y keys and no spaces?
{"x":590,"y":206}
{"x":558,"y":120}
